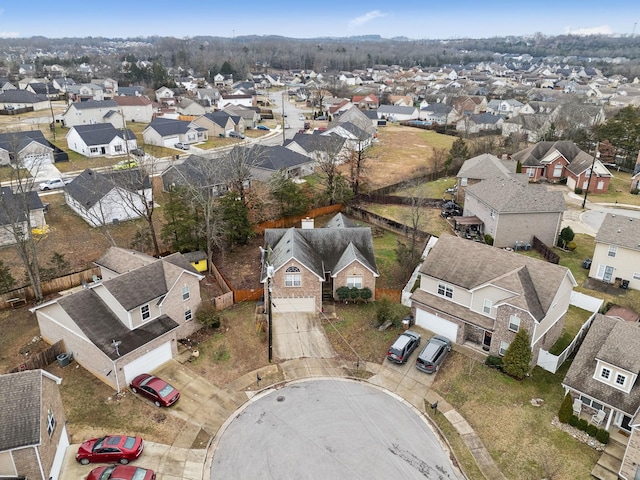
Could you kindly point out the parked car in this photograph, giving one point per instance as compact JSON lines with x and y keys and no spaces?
{"x":126,"y":164}
{"x":182,"y":146}
{"x":155,"y":389}
{"x":236,"y":135}
{"x":138,"y":152}
{"x":287,"y":126}
{"x":433,"y":354}
{"x":321,"y":117}
{"x":54,"y":183}
{"x":406,"y":343}
{"x":587,"y":263}
{"x":263,"y":127}
{"x":301,"y":117}
{"x":121,"y":472}
{"x":453,"y":189}
{"x":110,"y":449}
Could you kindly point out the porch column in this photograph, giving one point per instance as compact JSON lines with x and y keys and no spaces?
{"x":609,"y":417}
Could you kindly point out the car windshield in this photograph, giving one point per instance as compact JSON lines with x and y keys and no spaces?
{"x":130,"y":442}
{"x":98,"y":443}
{"x":106,"y":475}
{"x":166,"y":391}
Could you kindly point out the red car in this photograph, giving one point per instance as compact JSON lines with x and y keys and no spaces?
{"x":110,"y":449}
{"x":121,"y":472}
{"x":156,"y":389}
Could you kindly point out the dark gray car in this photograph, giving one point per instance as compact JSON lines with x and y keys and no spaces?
{"x":433,"y":354}
{"x":403,"y":346}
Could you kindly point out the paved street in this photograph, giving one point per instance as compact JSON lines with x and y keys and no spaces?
{"x":328,"y":429}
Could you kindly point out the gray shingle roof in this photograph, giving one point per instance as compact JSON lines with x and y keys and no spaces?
{"x":395,"y":109}
{"x":90,"y":187}
{"x":16,"y":141}
{"x":532,"y":156}
{"x":20,"y":409}
{"x":484,"y":166}
{"x":21,"y":96}
{"x":614,"y":341}
{"x":620,"y":230}
{"x":101,"y":133}
{"x":470,"y":265}
{"x":91,"y":104}
{"x":340,"y":221}
{"x":321,"y":249}
{"x":168,"y":126}
{"x":122,"y":260}
{"x":508,"y":195}
{"x":279,"y":157}
{"x":320,"y":143}
{"x":102,"y":327}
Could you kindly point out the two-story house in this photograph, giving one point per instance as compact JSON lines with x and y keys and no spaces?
{"x":34,"y":437}
{"x":130,"y":321}
{"x":514,"y":212}
{"x":300,"y":264}
{"x":604,"y":377}
{"x":481,"y":296}
{"x":616,"y":257}
{"x":93,"y":111}
{"x":479,"y":168}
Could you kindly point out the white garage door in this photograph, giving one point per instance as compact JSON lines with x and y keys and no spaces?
{"x":148,"y":362}
{"x":437,"y":324}
{"x":170,"y":141}
{"x":59,"y":458}
{"x":304,"y":304}
{"x":36,"y":160}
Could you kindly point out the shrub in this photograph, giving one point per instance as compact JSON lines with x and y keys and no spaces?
{"x":591,"y":430}
{"x":602,"y":436}
{"x":343,"y":293}
{"x":566,"y":409}
{"x":577,"y":191}
{"x":354,"y":293}
{"x":488,"y":239}
{"x":493,"y":361}
{"x":366,"y":294}
{"x":571,"y":246}
{"x":573,"y":421}
{"x":582,"y":424}
{"x":517,"y":358}
{"x":383,"y":312}
{"x":208,"y":316}
{"x":635,"y":191}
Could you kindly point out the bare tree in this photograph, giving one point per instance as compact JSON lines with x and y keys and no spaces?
{"x":438,"y":159}
{"x":357,"y":160}
{"x":236,"y":167}
{"x":328,"y":154}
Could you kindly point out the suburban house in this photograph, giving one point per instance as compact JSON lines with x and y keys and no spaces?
{"x":167,"y":132}
{"x":480,"y":296}
{"x":86,"y":92}
{"x":29,"y":147}
{"x":553,"y":161}
{"x":301,"y":265}
{"x":93,"y":111}
{"x":395,"y":113}
{"x":319,"y":146}
{"x":513,"y":212}
{"x":277,"y":158}
{"x":190,"y":108}
{"x":368,"y":102}
{"x":616,"y":256}
{"x":135,"y":108}
{"x":481,"y":167}
{"x":165,"y":96}
{"x":439,"y":113}
{"x":364,"y":119}
{"x":480,"y":122}
{"x":220,"y":124}
{"x":530,"y":127}
{"x":105,"y":198}
{"x":18,"y":99}
{"x":33,"y":425}
{"x":242,"y":100}
{"x":355,"y":138}
{"x":603,"y":378}
{"x":99,"y":140}
{"x":250,"y":116}
{"x":129,"y":322}
{"x":197,"y":171}
{"x":13,"y":219}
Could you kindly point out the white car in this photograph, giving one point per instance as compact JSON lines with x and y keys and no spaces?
{"x":53,"y":183}
{"x":182,"y":146}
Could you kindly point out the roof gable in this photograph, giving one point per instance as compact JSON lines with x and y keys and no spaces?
{"x":20,"y":409}
{"x":509,"y":195}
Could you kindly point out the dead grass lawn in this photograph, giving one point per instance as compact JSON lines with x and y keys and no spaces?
{"x":430,"y":221}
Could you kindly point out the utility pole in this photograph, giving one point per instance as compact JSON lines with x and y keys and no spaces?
{"x":53,"y":118}
{"x":283,"y":122}
{"x":596,"y":154}
{"x":269,"y":317}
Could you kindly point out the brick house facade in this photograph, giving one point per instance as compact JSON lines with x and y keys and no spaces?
{"x":481,"y":296}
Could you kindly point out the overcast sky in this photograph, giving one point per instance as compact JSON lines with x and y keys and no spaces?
{"x":307,"y":19}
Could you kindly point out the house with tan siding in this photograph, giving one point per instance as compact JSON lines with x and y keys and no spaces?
{"x":129,"y":321}
{"x":481,"y":296}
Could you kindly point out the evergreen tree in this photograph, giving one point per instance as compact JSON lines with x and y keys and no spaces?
{"x":566,"y":409}
{"x":517,"y":358}
{"x":459,"y":151}
{"x":566,"y":236}
{"x":7,"y":282}
{"x":235,"y":215}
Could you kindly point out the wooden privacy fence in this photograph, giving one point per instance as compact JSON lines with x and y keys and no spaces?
{"x":399,"y":200}
{"x":50,"y":286}
{"x":387,"y":223}
{"x":391,"y":294}
{"x":548,"y":254}
{"x":251,"y":295}
{"x":287,"y":222}
{"x":41,"y":359}
{"x":429,"y":177}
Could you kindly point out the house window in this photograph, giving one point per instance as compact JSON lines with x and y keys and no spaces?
{"x":531,"y":172}
{"x":118,"y":148}
{"x":354,"y":282}
{"x":503,"y":348}
{"x":51,"y":422}
{"x":486,"y":307}
{"x":187,"y":315}
{"x":145,"y":312}
{"x":292,"y":277}
{"x":514,"y":323}
{"x":557,"y":170}
{"x":591,"y":403}
{"x":636,"y":276}
{"x":93,"y":150}
{"x":613,"y":249}
{"x":185,"y":292}
{"x":621,"y":379}
{"x":445,"y":290}
{"x":605,"y":373}
{"x":492,"y":213}
{"x":463,"y":182}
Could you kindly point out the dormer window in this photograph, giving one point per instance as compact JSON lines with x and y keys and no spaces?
{"x":605,"y":373}
{"x":621,"y":379}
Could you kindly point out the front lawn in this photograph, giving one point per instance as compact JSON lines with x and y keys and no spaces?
{"x":573,"y":321}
